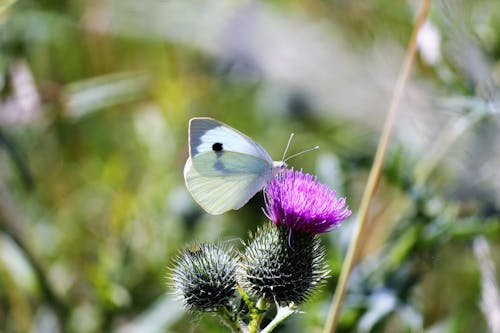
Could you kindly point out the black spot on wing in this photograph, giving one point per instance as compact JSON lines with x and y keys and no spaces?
{"x":218,"y":165}
{"x":217,"y":147}
{"x":198,"y":127}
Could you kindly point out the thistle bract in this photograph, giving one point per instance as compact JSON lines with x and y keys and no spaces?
{"x":282,"y":267}
{"x":204,"y":277}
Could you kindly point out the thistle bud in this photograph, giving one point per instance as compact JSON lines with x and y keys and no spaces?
{"x":281,"y":265}
{"x":204,"y":277}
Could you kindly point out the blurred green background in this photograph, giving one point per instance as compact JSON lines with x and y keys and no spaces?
{"x":95,"y":98}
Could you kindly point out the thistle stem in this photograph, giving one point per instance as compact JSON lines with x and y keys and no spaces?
{"x":282,"y":314}
{"x":256,"y":310}
{"x":261,"y":307}
{"x":256,"y":315}
{"x":230,"y":321}
{"x":374,"y":176}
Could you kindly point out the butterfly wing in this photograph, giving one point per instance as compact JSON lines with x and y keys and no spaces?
{"x":225,"y":168}
{"x":206,"y":133}
{"x":228,"y":163}
{"x":218,"y":194}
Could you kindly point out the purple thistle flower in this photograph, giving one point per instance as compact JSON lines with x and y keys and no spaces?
{"x":299,"y":202}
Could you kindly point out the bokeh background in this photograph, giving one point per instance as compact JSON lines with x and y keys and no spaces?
{"x":95,"y":98}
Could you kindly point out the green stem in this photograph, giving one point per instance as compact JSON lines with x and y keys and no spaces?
{"x":230,"y":320}
{"x":281,"y":314}
{"x":257,"y":315}
{"x":256,"y":310}
{"x":374,"y":177}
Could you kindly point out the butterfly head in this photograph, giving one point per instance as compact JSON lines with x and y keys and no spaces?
{"x":278,"y":166}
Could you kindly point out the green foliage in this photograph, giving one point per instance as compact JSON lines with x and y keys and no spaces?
{"x":95,"y":97}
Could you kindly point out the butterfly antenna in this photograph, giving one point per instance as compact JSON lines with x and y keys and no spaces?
{"x":301,"y":152}
{"x":287,"y":146}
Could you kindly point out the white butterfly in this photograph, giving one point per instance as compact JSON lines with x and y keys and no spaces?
{"x":225,"y":167}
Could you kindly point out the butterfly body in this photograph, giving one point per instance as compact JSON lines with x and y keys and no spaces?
{"x":225,"y":167}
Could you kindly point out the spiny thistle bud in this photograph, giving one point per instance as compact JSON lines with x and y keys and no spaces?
{"x":281,"y":265}
{"x":204,"y":277}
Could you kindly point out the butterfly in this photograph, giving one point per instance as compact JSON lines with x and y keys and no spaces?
{"x":225,"y":168}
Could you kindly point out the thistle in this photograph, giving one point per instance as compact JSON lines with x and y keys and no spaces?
{"x":282,"y":267}
{"x":300,"y":203}
{"x":285,"y":262}
{"x":204,"y":277}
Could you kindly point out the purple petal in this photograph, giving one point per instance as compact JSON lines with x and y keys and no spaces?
{"x":300,"y":203}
